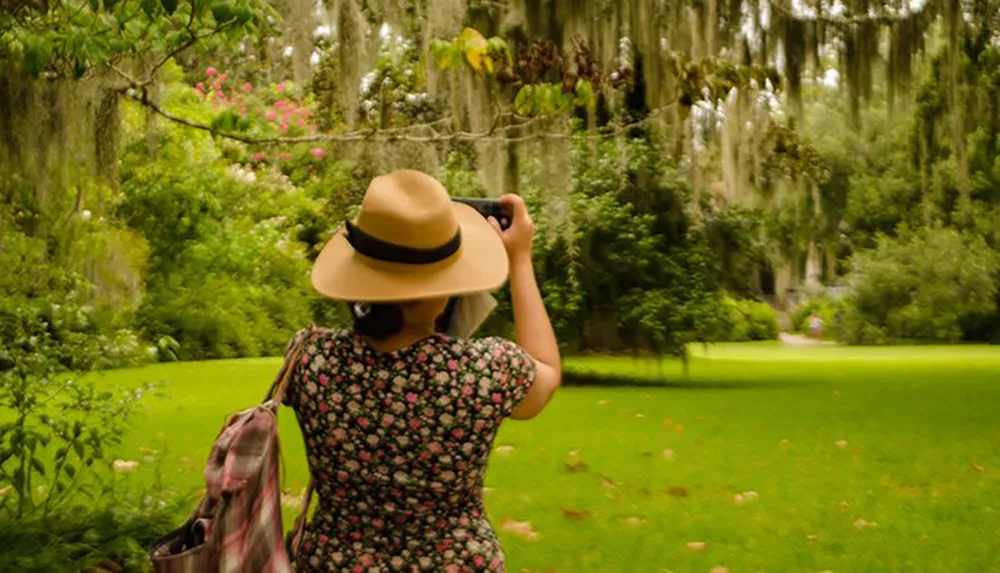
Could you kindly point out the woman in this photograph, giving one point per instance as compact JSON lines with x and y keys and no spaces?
{"x":399,"y":419}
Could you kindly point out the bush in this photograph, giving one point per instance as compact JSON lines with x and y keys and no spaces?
{"x":922,"y":286}
{"x":228,"y":276}
{"x":115,"y":533}
{"x":747,"y":320}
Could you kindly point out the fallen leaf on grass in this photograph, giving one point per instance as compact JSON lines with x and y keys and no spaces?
{"x":521,"y":528}
{"x":608,"y":483}
{"x":640,"y":416}
{"x":720,"y":570}
{"x":488,"y":490}
{"x":697,"y":545}
{"x":861,"y":524}
{"x":750,"y":495}
{"x":576,"y":466}
{"x":576,"y":515}
{"x":634,"y":521}
{"x":978,"y":468}
{"x":841,"y":444}
{"x":603,"y":402}
{"x":836,"y":392}
{"x":679,"y":428}
{"x":812,"y":537}
{"x":738,"y":499}
{"x":503,"y":450}
{"x":668,"y":454}
{"x":677,"y":491}
{"x":784,"y":442}
{"x":844,"y":505}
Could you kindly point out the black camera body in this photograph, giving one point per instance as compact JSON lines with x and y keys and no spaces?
{"x":489,"y":208}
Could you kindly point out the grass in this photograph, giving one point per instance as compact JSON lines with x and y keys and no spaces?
{"x":913,"y":486}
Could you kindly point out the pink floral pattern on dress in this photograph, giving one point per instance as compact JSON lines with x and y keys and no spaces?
{"x":398,"y":443}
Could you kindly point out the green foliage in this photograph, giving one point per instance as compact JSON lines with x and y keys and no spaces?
{"x":228,"y":276}
{"x":747,"y":320}
{"x":923,"y":286}
{"x":76,"y":37}
{"x":114,"y":531}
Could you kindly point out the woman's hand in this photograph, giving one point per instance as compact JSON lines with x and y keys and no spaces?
{"x":520,"y":236}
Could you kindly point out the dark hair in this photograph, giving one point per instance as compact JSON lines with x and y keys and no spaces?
{"x":378,"y":321}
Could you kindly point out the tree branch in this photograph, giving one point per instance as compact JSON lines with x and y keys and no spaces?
{"x":411,"y":133}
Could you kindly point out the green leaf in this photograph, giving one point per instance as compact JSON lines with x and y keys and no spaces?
{"x":61,"y":453}
{"x":5,"y":455}
{"x":243,"y":14}
{"x":223,"y":12}
{"x":77,"y":429}
{"x":37,"y":55}
{"x":37,"y":464}
{"x":70,"y":470}
{"x":95,"y":5}
{"x":78,"y":447}
{"x":170,"y":6}
{"x":79,"y":68}
{"x":149,"y":7}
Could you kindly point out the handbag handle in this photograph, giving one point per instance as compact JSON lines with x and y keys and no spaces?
{"x":276,"y":394}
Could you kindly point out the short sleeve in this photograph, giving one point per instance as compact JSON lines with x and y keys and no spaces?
{"x":292,"y":388}
{"x":513,"y":372}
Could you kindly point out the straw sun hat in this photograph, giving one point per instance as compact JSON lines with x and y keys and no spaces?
{"x":410,"y":242}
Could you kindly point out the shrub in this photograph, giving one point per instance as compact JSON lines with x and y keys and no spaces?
{"x":747,"y":320}
{"x":922,"y":286}
{"x":115,"y":533}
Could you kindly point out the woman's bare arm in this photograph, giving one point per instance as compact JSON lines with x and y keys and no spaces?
{"x":531,"y":320}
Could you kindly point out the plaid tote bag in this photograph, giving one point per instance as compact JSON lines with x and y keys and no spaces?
{"x":237,"y":526}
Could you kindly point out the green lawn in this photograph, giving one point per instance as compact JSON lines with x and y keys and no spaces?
{"x":914,"y":485}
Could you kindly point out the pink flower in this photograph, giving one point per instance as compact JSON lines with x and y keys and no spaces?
{"x":318,"y":152}
{"x":281,"y":87}
{"x":257,"y":158}
{"x":363,"y":422}
{"x":200,"y":86}
{"x":220,"y":94}
{"x":323,"y":407}
{"x":284,"y":156}
{"x":283,"y":126}
{"x":324,"y":379}
{"x":411,"y":398}
{"x":281,"y":103}
{"x":247,"y":87}
{"x":211,"y":72}
{"x":271,"y":115}
{"x":223,"y":77}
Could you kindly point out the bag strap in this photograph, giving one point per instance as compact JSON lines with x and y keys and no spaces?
{"x":276,"y":394}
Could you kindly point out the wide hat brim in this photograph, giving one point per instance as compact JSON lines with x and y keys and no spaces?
{"x":481,"y":264}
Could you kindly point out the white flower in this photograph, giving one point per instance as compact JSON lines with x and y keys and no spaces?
{"x":321,"y":32}
{"x":86,"y":214}
{"x":288,"y":51}
{"x":124,"y":467}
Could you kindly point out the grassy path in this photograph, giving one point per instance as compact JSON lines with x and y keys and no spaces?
{"x":859,"y":460}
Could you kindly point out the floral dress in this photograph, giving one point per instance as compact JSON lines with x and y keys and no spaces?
{"x":397,"y":444}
